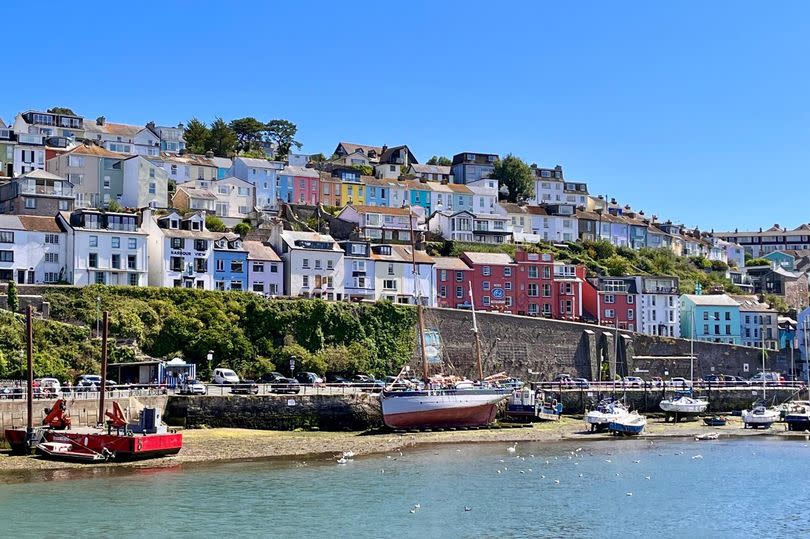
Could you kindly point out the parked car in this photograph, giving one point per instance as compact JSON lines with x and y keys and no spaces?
{"x":11,"y":392}
{"x":337,"y":380}
{"x":563,"y":379}
{"x":513,"y":383}
{"x":714,"y":379}
{"x":47,"y":388}
{"x":278,"y":383}
{"x":309,"y":378}
{"x":735,"y":380}
{"x":192,"y":387}
{"x":368,"y":383}
{"x":245,"y":387}
{"x":582,"y":383}
{"x":224,"y":376}
{"x":679,"y":383}
{"x":769,"y":377}
{"x":92,"y":382}
{"x":657,"y":381}
{"x":632,"y":381}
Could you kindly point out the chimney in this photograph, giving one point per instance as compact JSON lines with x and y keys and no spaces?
{"x":101,"y":120}
{"x":613,"y":201}
{"x":209,"y":154}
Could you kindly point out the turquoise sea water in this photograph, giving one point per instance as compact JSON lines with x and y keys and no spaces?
{"x":737,"y":488}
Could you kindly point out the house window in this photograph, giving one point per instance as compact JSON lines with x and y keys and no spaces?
{"x":6,"y":237}
{"x":116,"y":261}
{"x":443,"y":275}
{"x":115,"y":242}
{"x":305,"y":280}
{"x":152,"y":188}
{"x":175,"y":263}
{"x":220,"y":265}
{"x":609,"y":313}
{"x":533,"y":273}
{"x":52,"y":258}
{"x":390,"y":269}
{"x":485,"y":301}
{"x":546,"y":290}
{"x":30,"y":203}
{"x":132,"y":243}
{"x":728,"y":315}
{"x":533,"y":308}
{"x":236,"y":285}
{"x":133,"y":279}
{"x":728,"y":329}
{"x":459,"y":292}
{"x":100,"y":277}
{"x":200,"y":245}
{"x":485,"y":285}
{"x":236,"y":266}
{"x":258,"y":287}
{"x":6,"y":256}
{"x":507,"y":285}
{"x":52,"y":238}
{"x":459,"y":276}
{"x":258,"y":267}
{"x":178,"y":243}
{"x":92,"y":260}
{"x":305,"y":263}
{"x":507,"y":271}
{"x":132,"y":262}
{"x":546,"y":272}
{"x":630,"y":314}
{"x":389,"y":284}
{"x":630,"y":299}
{"x":610,"y":298}
{"x":533,"y":290}
{"x":273,"y":268}
{"x":487,"y":271}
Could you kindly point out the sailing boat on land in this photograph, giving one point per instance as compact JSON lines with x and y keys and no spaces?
{"x":760,"y":415}
{"x":442,"y":404}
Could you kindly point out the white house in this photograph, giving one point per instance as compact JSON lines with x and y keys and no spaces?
{"x":394,"y":278}
{"x":358,"y":272}
{"x":181,"y":250}
{"x":313,"y":264}
{"x":29,"y":153}
{"x":658,"y":306}
{"x":472,"y":227}
{"x":144,"y":184}
{"x":122,"y":138}
{"x":265,"y":269}
{"x":234,"y":198}
{"x":32,"y":249}
{"x":485,"y":195}
{"x":104,"y":248}
{"x":380,"y":222}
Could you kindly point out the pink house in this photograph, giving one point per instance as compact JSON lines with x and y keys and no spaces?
{"x":306,"y":186}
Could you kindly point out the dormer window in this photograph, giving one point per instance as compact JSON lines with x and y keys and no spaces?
{"x":174,"y":223}
{"x":470,"y":157}
{"x":195,"y":225}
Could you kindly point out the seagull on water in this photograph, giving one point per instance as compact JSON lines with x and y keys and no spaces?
{"x":467,"y":508}
{"x":556,"y":481}
{"x":628,"y":493}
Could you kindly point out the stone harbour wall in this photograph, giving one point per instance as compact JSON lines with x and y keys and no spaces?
{"x":277,"y":412}
{"x":536,"y":349}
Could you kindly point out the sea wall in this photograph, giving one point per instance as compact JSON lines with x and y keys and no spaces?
{"x":277,"y":412}
{"x":536,"y":349}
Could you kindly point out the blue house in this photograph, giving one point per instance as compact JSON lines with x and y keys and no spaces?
{"x":782,"y":260}
{"x":710,"y":318}
{"x":378,"y":191}
{"x":263,"y":174}
{"x":230,"y":264}
{"x":223,"y":167}
{"x":420,"y":194}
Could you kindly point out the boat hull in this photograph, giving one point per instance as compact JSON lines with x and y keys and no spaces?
{"x":759,"y":419}
{"x":798,"y":422}
{"x":440,"y":409}
{"x":684,"y":409}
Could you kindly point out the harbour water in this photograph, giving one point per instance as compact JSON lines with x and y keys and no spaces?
{"x":615,"y":488}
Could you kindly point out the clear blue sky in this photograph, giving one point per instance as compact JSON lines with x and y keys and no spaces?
{"x":695,"y":111}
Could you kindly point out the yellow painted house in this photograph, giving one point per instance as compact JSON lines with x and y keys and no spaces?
{"x":353,"y":192}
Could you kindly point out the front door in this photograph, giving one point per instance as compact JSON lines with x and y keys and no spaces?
{"x":21,"y":276}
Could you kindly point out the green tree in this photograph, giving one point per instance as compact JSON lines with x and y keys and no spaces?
{"x":214,"y":223}
{"x":249,"y":132}
{"x":196,"y":135}
{"x":364,"y":170}
{"x":61,"y":110}
{"x":13,"y":300}
{"x":317,"y":158}
{"x":221,"y":139}
{"x":516,"y":176}
{"x":114,"y":206}
{"x":242,"y":229}
{"x":757,"y":262}
{"x":617,"y":266}
{"x":282,"y":133}
{"x":440,"y":160}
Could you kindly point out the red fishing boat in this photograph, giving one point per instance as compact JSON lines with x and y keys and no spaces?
{"x":118,"y":440}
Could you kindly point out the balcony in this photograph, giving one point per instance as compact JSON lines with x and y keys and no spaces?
{"x":58,"y":189}
{"x":125,"y":227}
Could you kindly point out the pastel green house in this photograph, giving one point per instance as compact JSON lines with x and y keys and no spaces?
{"x":713,"y":318}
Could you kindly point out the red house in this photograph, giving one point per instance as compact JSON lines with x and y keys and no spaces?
{"x":536,"y":293}
{"x":612,"y":301}
{"x":493,"y":280}
{"x":452,"y":282}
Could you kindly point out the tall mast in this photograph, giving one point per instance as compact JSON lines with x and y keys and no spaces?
{"x":692,"y":349}
{"x":103,"y":388}
{"x":477,"y":338}
{"x":29,"y":338}
{"x":418,"y":299}
{"x":762,"y":341}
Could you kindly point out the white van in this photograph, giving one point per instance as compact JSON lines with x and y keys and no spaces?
{"x":50,"y":387}
{"x":224,"y":376}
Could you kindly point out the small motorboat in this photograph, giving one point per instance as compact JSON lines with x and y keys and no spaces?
{"x":70,"y":451}
{"x":797,"y":416}
{"x":630,"y":424}
{"x":707,"y":436}
{"x":759,"y":416}
{"x":525,"y":404}
{"x":716,"y":421}
{"x":606,"y":411}
{"x":683,"y":405}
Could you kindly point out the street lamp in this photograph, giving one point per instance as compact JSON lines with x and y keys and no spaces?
{"x":210,"y":358}
{"x":292,"y":366}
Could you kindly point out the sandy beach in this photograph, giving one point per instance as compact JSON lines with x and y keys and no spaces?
{"x":219,"y":445}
